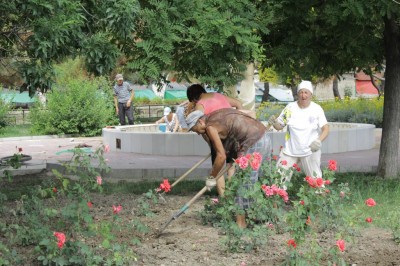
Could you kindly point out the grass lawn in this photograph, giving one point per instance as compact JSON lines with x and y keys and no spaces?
{"x":16,"y":131}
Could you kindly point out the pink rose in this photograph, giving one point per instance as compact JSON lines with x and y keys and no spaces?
{"x":370,"y":202}
{"x":255,"y":164}
{"x":60,"y":238}
{"x":341,"y":244}
{"x":99,"y":180}
{"x":332,"y":165}
{"x":165,"y":186}
{"x":292,"y":243}
{"x":106,"y":148}
{"x":243,"y":162}
{"x":116,"y":209}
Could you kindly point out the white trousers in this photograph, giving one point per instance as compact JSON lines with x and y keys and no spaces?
{"x":311,"y":165}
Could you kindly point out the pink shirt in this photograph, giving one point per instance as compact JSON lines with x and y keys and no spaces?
{"x":218,"y":101}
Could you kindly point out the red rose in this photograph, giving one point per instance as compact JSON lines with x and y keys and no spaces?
{"x":370,"y":202}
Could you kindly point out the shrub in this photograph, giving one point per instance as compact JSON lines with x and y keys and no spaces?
{"x":75,"y":106}
{"x":4,"y":108}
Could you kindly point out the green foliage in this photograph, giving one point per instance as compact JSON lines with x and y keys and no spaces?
{"x":4,"y":108}
{"x":315,"y":207}
{"x":16,"y":131}
{"x":62,"y":205}
{"x":360,"y":110}
{"x":211,"y":41}
{"x":77,"y":106}
{"x":326,"y":32}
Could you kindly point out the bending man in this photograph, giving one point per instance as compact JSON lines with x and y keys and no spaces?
{"x":232,"y":134}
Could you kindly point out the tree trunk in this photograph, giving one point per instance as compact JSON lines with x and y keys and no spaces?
{"x":265,"y":97}
{"x":293,"y":87}
{"x":335,"y":88}
{"x":247,"y":89}
{"x":389,"y":150}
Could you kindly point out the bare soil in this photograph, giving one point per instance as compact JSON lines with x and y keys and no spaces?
{"x":186,"y":241}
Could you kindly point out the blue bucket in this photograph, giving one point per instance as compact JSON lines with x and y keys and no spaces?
{"x":162,"y":127}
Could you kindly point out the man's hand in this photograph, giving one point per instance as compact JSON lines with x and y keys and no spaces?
{"x":315,"y":145}
{"x":116,"y":110}
{"x":211,"y":182}
{"x":272,"y":120}
{"x":128,"y":103}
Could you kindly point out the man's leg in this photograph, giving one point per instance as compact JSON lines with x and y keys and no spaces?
{"x":263,"y":147}
{"x":129,"y":114}
{"x":121,"y":114}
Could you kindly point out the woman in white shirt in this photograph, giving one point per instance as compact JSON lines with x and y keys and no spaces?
{"x":170,"y":119}
{"x":307,"y":127}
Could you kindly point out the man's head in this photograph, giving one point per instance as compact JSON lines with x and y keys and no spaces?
{"x":119,"y":78}
{"x":194,"y":91}
{"x":192,"y":121}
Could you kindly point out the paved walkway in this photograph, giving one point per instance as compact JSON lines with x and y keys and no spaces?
{"x":48,"y":152}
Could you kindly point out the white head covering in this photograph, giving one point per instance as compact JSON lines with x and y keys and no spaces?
{"x":192,"y":118}
{"x":305,"y":84}
{"x":119,"y":77}
{"x":167,"y":110}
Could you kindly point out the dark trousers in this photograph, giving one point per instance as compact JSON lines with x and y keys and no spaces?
{"x":123,"y":111}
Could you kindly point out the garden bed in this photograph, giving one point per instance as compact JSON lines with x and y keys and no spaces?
{"x":186,"y":241}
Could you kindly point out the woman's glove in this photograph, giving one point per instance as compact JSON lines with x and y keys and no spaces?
{"x":272,"y":120}
{"x":211,"y":182}
{"x":315,"y":145}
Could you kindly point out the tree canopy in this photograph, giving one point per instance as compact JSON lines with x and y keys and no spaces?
{"x":208,"y":40}
{"x":325,"y":38}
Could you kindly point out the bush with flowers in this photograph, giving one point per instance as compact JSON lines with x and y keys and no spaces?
{"x":58,"y":219}
{"x":312,"y":207}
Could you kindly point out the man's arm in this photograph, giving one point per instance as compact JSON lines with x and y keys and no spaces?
{"x":116,"y":103}
{"x":216,"y":143}
{"x":128,"y":104}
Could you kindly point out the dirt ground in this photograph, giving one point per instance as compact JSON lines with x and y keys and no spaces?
{"x":187,"y":242}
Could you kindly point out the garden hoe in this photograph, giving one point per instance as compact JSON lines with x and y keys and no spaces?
{"x":187,"y":205}
{"x":185,"y":175}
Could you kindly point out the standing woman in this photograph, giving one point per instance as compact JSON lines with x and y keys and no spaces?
{"x":307,"y":128}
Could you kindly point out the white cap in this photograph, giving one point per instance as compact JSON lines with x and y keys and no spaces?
{"x":305,"y":84}
{"x":119,"y":77}
{"x":167,"y":110}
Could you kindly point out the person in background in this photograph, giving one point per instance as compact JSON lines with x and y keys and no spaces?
{"x":231,"y":133}
{"x":181,"y":114}
{"x":170,"y":119}
{"x":123,"y":97}
{"x":307,"y":127}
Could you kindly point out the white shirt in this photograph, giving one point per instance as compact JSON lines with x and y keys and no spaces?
{"x":303,"y":127}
